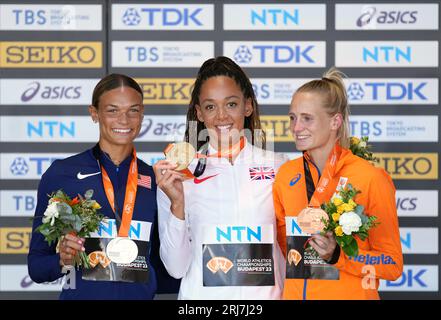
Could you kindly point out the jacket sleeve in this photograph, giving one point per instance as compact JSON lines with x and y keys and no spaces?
{"x":385,"y":253}
{"x":280,"y":216}
{"x":165,"y":283}
{"x":43,"y":261}
{"x":175,"y":249}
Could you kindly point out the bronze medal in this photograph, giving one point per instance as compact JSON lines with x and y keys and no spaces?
{"x":310,"y":220}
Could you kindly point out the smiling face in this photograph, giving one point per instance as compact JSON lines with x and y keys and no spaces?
{"x":222,"y":108}
{"x":313,"y":129}
{"x":120,"y":114}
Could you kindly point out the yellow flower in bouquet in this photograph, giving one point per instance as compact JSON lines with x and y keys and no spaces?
{"x":347,"y":220}
{"x":361,"y":148}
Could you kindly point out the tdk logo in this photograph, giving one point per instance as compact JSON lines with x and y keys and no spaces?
{"x":355,"y":91}
{"x":279,"y":54}
{"x":131,"y":17}
{"x":409,"y":279}
{"x":372,"y":16}
{"x":392,"y":91}
{"x":238,"y":234}
{"x":387,"y":54}
{"x":243,"y":55}
{"x":50,"y":129}
{"x":162,"y":16}
{"x":274,"y":17}
{"x":19,"y":167}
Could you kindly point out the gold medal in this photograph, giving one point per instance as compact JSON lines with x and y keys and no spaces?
{"x":180,"y":153}
{"x":310,"y":220}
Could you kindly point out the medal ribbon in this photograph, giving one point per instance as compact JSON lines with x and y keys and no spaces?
{"x":232,"y":151}
{"x":328,"y":174}
{"x":130,"y":196}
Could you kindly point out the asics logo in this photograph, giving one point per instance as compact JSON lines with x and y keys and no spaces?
{"x":81,"y":176}
{"x":197,"y":181}
{"x":295,"y":179}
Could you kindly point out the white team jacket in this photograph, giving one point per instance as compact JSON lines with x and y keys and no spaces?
{"x":228,"y":198}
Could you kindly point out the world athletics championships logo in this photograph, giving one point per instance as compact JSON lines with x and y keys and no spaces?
{"x":131,"y":17}
{"x":243,"y":55}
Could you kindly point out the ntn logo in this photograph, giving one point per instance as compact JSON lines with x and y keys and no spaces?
{"x":51,"y":128}
{"x":387,"y":53}
{"x":110,"y":229}
{"x":238,"y":233}
{"x":274,"y":16}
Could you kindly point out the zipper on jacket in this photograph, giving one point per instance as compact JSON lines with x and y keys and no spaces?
{"x":305,"y":284}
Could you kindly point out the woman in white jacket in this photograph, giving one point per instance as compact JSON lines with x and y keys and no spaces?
{"x":217,"y":229}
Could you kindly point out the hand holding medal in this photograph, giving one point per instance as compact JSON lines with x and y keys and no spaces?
{"x":181,"y":154}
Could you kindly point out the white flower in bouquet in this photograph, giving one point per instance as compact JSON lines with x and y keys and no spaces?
{"x":350,"y":222}
{"x":51,"y":213}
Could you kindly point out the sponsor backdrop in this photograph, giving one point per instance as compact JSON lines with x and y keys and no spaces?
{"x":52,"y":53}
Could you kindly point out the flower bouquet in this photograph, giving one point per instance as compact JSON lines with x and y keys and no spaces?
{"x":78,"y":216}
{"x":361,"y":148}
{"x":347,"y":220}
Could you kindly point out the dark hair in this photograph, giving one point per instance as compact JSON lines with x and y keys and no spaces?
{"x":332,"y":89}
{"x":223,"y":66}
{"x":111,"y":82}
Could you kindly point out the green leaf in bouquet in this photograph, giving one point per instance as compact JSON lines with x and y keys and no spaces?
{"x":359,"y":209}
{"x":77,"y":224}
{"x":67,"y":218}
{"x":351,"y":248}
{"x":63,"y":207}
{"x":362,"y":235}
{"x":347,"y":239}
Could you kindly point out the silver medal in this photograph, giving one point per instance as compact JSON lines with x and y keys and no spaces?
{"x":122,"y":250}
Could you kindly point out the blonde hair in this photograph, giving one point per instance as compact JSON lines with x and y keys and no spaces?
{"x":335,"y":100}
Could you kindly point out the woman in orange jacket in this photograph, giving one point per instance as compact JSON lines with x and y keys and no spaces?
{"x":319,"y":124}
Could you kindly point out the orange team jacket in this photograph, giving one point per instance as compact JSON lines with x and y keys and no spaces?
{"x":381,"y":251}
